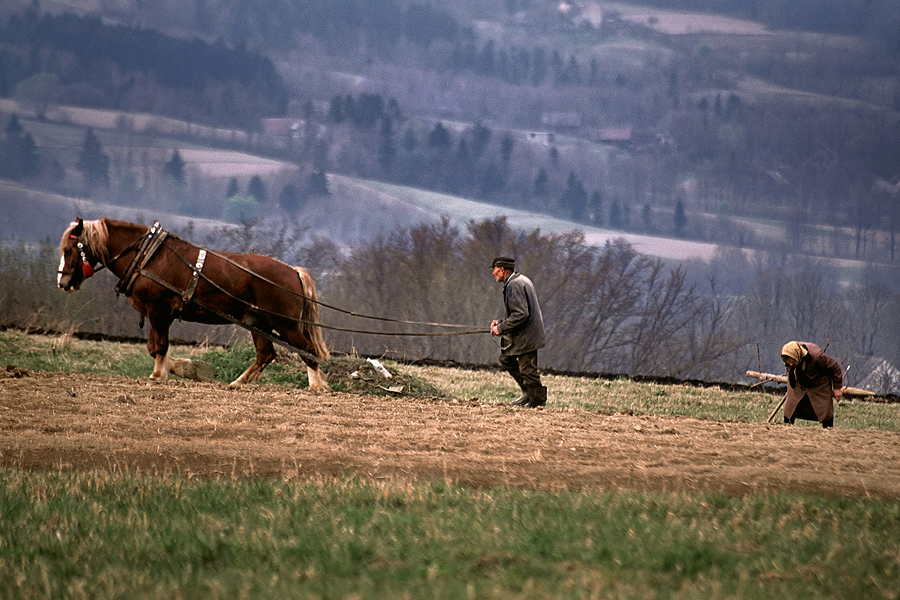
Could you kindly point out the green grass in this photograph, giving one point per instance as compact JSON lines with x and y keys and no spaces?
{"x":69,"y":355}
{"x":103,"y":535}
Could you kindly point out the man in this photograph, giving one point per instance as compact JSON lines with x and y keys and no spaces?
{"x":521,"y":332}
{"x":814,"y":380}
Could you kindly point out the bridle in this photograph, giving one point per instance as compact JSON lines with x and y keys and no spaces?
{"x":87,"y":268}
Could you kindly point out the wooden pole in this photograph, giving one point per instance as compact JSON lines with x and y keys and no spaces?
{"x":771,"y":418}
{"x":847,"y":391}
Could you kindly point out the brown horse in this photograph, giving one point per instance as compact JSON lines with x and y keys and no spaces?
{"x":167,"y":278}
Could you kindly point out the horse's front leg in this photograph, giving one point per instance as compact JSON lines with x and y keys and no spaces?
{"x":158,"y":347}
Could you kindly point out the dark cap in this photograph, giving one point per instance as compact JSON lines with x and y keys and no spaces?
{"x":504,"y":262}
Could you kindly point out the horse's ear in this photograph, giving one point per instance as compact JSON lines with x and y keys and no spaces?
{"x":79,"y":227}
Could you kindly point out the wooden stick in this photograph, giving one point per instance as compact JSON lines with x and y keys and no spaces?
{"x":758,"y":360}
{"x":847,"y":391}
{"x":771,"y":418}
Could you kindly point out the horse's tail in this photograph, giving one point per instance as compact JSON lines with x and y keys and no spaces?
{"x":309,"y":314}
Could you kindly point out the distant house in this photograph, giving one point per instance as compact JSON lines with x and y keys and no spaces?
{"x":617,"y":136}
{"x":544,"y":138}
{"x":561,"y":120}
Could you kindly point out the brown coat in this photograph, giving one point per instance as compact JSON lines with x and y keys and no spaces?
{"x":816,"y":376}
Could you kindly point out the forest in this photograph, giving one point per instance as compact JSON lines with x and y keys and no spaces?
{"x":136,"y":69}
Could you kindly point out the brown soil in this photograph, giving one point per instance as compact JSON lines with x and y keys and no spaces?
{"x":52,"y":421}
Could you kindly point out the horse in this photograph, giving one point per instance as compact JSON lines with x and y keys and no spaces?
{"x":166,"y":277}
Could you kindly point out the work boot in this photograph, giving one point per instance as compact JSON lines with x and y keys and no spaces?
{"x":537,"y":396}
{"x":522,"y":400}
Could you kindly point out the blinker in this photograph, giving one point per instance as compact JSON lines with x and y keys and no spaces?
{"x":86,"y":269}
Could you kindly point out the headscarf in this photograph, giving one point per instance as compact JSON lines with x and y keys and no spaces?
{"x":794,"y":350}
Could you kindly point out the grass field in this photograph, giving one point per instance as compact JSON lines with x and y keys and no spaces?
{"x":102,"y":535}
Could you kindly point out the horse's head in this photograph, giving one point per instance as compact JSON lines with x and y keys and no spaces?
{"x":77,"y":257}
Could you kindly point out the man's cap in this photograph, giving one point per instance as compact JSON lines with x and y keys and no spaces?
{"x":504,"y":262}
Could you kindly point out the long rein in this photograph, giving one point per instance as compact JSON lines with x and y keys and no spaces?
{"x":197,"y":270}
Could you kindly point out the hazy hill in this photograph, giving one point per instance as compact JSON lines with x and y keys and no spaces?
{"x":757,"y":135}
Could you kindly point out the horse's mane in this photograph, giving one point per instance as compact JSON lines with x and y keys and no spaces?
{"x":95,"y":237}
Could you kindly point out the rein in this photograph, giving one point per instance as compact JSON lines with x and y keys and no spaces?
{"x":155,"y":238}
{"x":320,"y":303}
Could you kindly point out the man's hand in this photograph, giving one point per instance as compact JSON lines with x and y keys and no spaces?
{"x":494,"y":329}
{"x":838,"y":394}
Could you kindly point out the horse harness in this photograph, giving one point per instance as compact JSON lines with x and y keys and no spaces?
{"x":150,"y":243}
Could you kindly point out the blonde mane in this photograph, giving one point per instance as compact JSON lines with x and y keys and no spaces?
{"x":95,"y":237}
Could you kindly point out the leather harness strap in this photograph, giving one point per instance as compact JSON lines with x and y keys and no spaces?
{"x":152,"y":241}
{"x":192,"y":286}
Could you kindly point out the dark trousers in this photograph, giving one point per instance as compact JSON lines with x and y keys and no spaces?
{"x":805,"y":412}
{"x":523,"y":368}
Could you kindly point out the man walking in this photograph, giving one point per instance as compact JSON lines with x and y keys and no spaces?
{"x":521,"y":332}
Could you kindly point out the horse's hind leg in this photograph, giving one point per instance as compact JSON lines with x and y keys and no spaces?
{"x":317,"y":380}
{"x":265,"y":353}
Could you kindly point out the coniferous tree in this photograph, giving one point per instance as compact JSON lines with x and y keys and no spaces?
{"x":336,"y":109}
{"x":387,"y":147}
{"x":19,"y":157}
{"x":481,"y":137}
{"x":574,"y":198}
{"x":233,"y":189}
{"x":290,"y":199}
{"x":256,"y":189}
{"x":13,"y":127}
{"x":680,"y":218}
{"x":541,"y":186}
{"x":595,"y":205}
{"x":616,"y":218}
{"x":647,"y":217}
{"x":439,"y":138}
{"x":317,"y":184}
{"x":92,"y":162}
{"x":174,"y":168}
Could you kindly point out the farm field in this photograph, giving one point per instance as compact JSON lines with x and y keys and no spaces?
{"x":86,"y":422}
{"x":438,"y":490}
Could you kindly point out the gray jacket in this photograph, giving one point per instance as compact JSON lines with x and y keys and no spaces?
{"x":522,"y":330}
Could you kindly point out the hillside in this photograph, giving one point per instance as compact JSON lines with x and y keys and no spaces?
{"x":613,"y":116}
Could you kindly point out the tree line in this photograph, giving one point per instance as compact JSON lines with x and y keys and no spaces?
{"x":135,"y":69}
